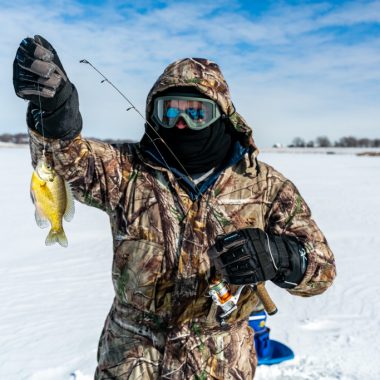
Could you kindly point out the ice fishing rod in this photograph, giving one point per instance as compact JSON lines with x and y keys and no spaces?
{"x":133,"y":107}
{"x":219,"y":290}
{"x":105,"y":79}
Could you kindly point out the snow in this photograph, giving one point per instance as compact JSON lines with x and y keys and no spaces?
{"x":321,"y":150}
{"x":54,"y":300}
{"x":11,"y":145}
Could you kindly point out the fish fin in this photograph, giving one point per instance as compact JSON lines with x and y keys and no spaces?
{"x":56,"y":237}
{"x":70,"y":207}
{"x":32,"y":197}
{"x":41,"y":221}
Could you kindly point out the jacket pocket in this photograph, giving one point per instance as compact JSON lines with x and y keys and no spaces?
{"x":136,"y":270}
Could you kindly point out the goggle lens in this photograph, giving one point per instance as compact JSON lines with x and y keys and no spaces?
{"x":198,"y":113}
{"x":194,"y":113}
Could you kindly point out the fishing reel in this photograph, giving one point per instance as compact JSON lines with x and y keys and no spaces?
{"x":219,"y":289}
{"x":221,"y":294}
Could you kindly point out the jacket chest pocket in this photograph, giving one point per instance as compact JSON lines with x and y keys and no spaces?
{"x":138,"y":214}
{"x":136,"y":270}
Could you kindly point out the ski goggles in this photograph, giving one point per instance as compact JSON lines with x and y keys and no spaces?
{"x":198,"y":113}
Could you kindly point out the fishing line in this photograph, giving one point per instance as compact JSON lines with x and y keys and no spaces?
{"x":41,"y":121}
{"x":205,"y":197}
{"x":263,"y":294}
{"x":132,"y":106}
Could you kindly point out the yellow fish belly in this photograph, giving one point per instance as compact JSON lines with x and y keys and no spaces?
{"x":53,"y":201}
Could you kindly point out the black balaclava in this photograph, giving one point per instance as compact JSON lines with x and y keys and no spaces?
{"x":197,"y":151}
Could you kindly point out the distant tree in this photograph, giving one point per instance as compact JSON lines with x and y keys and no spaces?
{"x":6,"y":137}
{"x":376,"y":143}
{"x":348,"y":142}
{"x":20,"y":138}
{"x":117,"y":141}
{"x":298,"y":142}
{"x":364,"y":143}
{"x":323,"y":141}
{"x":310,"y":144}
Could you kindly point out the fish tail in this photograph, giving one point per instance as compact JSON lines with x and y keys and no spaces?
{"x":56,"y":237}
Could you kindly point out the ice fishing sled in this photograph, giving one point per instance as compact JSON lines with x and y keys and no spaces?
{"x":268,"y":351}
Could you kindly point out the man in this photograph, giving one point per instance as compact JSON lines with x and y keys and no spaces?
{"x":193,"y":180}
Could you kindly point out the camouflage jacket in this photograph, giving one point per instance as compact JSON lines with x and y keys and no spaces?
{"x":161,"y":270}
{"x":161,"y":237}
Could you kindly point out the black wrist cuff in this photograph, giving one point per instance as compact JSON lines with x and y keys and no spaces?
{"x":290,"y":259}
{"x":258,"y":243}
{"x":63,"y":123}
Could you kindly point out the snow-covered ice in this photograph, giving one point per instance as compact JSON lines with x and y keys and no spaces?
{"x":54,"y":300}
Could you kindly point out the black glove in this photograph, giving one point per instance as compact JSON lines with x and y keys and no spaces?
{"x":250,"y":256}
{"x":38,"y":74}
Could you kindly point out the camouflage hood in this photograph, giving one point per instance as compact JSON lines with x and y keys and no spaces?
{"x":206,"y":77}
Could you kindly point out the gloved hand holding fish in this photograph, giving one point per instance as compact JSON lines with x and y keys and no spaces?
{"x":39,"y":76}
{"x":53,"y":200}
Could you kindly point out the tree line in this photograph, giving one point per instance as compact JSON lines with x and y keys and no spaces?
{"x":298,"y":142}
{"x":23,"y":138}
{"x":18,"y":138}
{"x":343,"y":142}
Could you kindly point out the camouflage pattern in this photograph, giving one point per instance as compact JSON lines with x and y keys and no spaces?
{"x":163,"y":324}
{"x":206,"y":77}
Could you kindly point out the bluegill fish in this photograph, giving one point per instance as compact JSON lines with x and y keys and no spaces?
{"x":53,"y":200}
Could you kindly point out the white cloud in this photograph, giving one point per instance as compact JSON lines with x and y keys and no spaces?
{"x":354,"y":12}
{"x":289,"y":75}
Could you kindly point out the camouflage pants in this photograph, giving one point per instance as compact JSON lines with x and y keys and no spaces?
{"x":188,"y":352}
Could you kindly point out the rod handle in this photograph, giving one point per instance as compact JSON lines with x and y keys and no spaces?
{"x":269,"y":306}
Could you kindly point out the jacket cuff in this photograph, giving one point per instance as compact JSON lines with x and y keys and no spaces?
{"x":63,"y":123}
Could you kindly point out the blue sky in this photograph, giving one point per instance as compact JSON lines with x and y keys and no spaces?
{"x":295,"y":68}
